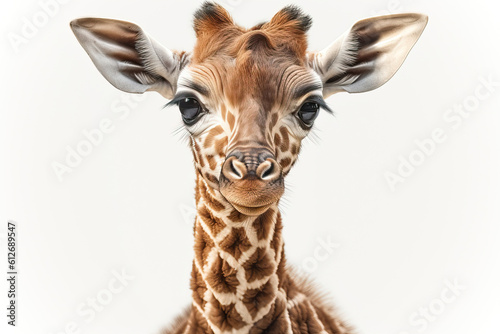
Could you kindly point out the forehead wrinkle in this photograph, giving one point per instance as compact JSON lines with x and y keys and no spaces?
{"x":300,"y":84}
{"x":295,"y":82}
{"x":283,"y":78}
{"x":270,"y":79}
{"x":210,"y":75}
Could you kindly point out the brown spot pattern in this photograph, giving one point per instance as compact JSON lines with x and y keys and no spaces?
{"x":256,"y":299}
{"x":236,"y":216}
{"x":212,"y":162}
{"x":225,"y":317}
{"x":263,"y":224}
{"x":277,"y":140}
{"x":276,"y":241}
{"x":214,"y":204}
{"x":285,"y":144}
{"x":222,"y":277}
{"x":285,"y":163}
{"x":215,"y":224}
{"x":304,"y":320}
{"x":306,"y":316}
{"x":258,"y":266}
{"x":236,"y":243}
{"x":274,"y":322}
{"x":198,"y":287}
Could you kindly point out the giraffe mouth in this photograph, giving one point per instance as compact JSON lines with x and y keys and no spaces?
{"x":252,"y":197}
{"x":251,"y":211}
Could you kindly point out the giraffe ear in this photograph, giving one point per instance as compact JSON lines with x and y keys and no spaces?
{"x":369,"y":54}
{"x":127,"y":57}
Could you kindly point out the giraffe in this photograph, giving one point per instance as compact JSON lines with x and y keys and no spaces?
{"x":247,"y":98}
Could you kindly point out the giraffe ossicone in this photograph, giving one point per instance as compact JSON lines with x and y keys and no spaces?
{"x":248,"y":97}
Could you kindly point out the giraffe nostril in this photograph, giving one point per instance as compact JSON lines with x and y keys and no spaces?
{"x":268,"y":171}
{"x":234,"y":170}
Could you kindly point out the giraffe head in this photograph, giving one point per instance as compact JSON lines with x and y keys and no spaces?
{"x":248,"y":97}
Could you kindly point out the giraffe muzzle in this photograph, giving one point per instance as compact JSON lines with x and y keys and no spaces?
{"x":251,"y":180}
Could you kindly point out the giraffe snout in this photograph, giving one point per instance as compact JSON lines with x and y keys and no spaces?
{"x":251,"y":180}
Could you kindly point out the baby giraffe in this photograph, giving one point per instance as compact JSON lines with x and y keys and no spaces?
{"x":248,"y":97}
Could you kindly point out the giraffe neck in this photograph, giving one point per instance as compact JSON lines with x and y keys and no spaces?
{"x":239,"y":266}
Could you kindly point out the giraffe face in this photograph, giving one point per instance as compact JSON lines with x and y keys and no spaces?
{"x":245,"y":146}
{"x":248,"y":99}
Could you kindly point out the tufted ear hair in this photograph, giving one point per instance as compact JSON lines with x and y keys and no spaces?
{"x":291,"y":18}
{"x":128,"y":58}
{"x":369,"y":54}
{"x":211,"y":17}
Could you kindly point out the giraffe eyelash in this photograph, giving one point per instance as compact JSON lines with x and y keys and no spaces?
{"x":319,"y":100}
{"x":178,"y":98}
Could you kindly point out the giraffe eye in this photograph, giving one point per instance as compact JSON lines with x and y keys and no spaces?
{"x":308,"y":112}
{"x":190,"y":109}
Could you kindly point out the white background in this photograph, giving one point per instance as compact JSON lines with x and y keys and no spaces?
{"x":127,"y":205}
